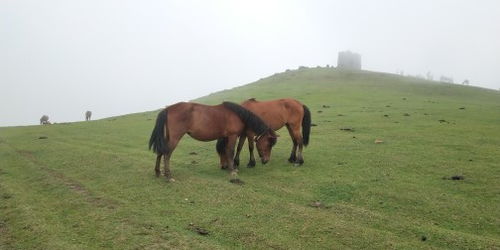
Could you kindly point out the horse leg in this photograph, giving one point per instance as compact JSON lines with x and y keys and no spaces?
{"x":241,"y":142}
{"x":172,"y":143}
{"x":251,"y":162}
{"x":300,"y":159}
{"x":221,"y":151}
{"x":293,"y":157}
{"x":298,"y":136}
{"x":157,"y":166}
{"x":223,"y":162}
{"x":168,"y":173}
{"x":231,"y":142}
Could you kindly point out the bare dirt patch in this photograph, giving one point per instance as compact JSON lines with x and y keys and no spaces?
{"x":237,"y":181}
{"x":70,"y":183}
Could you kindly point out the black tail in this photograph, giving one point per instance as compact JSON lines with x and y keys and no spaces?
{"x":158,"y":140}
{"x":306,"y":125}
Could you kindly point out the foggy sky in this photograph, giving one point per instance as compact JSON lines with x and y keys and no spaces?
{"x":113,"y":57}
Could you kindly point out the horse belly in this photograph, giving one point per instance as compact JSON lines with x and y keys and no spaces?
{"x":201,"y":135}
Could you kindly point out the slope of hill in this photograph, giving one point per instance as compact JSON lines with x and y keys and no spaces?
{"x":92,"y":184}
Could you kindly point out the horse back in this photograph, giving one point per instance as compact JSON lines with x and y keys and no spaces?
{"x":203,"y":122}
{"x":277,"y":113}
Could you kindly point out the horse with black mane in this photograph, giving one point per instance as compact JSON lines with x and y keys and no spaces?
{"x":276,"y":114}
{"x":225,"y":121}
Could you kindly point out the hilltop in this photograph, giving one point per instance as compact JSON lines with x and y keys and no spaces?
{"x":432,"y":181}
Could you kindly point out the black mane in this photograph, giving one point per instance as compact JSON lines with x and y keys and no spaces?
{"x":249,"y":119}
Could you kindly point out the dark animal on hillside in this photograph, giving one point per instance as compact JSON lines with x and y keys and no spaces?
{"x":88,"y":115}
{"x":225,"y":121}
{"x":276,"y":114}
{"x":44,"y":120}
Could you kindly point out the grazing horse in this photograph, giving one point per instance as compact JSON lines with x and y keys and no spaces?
{"x":225,"y":121}
{"x":44,"y":119}
{"x":276,"y":114}
{"x":88,"y":114}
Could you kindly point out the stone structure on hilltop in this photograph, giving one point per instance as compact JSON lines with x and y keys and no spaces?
{"x":349,"y":60}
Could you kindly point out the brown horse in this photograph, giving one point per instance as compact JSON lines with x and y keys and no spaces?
{"x":206,"y":123}
{"x":88,"y":115}
{"x":276,"y":114}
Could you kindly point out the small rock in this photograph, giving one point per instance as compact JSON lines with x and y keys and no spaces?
{"x":347,"y":129}
{"x":198,"y":229}
{"x":457,"y":177}
{"x":316,"y":204}
{"x":378,"y":141}
{"x":454,"y":178}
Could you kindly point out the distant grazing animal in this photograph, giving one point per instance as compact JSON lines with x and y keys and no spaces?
{"x":88,"y":114}
{"x":225,"y":121}
{"x":44,"y":119}
{"x":276,"y":114}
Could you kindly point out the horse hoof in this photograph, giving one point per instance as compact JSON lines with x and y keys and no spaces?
{"x":158,"y":174}
{"x":251,"y":164}
{"x":234,"y":174}
{"x":236,"y":163}
{"x":291,"y":160}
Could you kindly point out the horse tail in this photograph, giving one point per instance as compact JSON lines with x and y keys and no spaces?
{"x":306,"y":125}
{"x":159,"y":136}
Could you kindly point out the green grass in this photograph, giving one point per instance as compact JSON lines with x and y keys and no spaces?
{"x":91,"y":184}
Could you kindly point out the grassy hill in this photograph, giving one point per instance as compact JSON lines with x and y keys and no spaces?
{"x":91,"y":184}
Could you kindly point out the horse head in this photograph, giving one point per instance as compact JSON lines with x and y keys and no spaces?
{"x":265,"y":143}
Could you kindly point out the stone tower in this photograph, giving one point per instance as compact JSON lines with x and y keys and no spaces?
{"x":349,"y":60}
